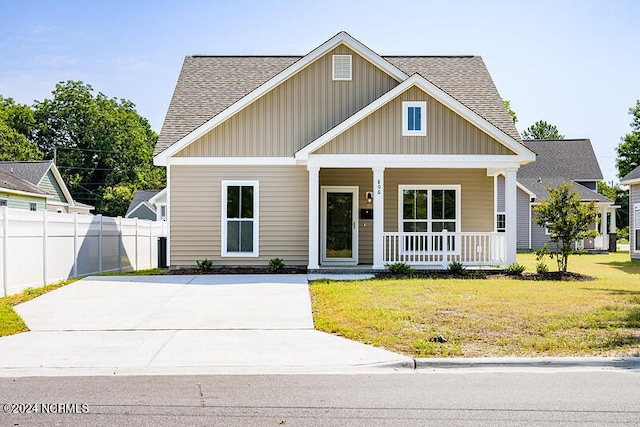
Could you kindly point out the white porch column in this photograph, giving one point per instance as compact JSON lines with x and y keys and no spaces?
{"x":612,"y":224}
{"x":314,"y":210}
{"x":378,"y":218}
{"x":510,"y":206}
{"x":603,"y":221}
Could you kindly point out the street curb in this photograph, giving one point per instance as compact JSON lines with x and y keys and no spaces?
{"x":530,"y":362}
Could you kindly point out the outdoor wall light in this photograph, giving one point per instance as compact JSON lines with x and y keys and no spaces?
{"x":369,"y":197}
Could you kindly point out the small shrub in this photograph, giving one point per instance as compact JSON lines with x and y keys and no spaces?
{"x":541,"y":268}
{"x":275,"y":265}
{"x":515,"y":269}
{"x":401,"y":268}
{"x":205,"y":264}
{"x":457,"y":268}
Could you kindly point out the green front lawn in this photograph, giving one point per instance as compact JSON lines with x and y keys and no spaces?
{"x":492,"y":317}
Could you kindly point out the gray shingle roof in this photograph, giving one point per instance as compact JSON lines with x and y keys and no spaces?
{"x":539,"y":188}
{"x":12,"y":182}
{"x":571,"y":159}
{"x":141,"y":196}
{"x":32,"y":172}
{"x":209,"y":84}
{"x":634,"y":174}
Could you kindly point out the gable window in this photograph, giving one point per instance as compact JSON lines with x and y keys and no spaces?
{"x":33,"y":206}
{"x":240,"y":218}
{"x":414,"y":118}
{"x":501,"y":222}
{"x":341,"y":67}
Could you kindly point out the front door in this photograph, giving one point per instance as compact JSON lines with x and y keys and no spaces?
{"x":339,"y":240}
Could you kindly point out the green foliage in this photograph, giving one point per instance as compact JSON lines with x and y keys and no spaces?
{"x":515,"y":269}
{"x":619,"y":195}
{"x":507,"y":105}
{"x":457,"y":268}
{"x":205,"y":264}
{"x":623,"y":233}
{"x":401,"y":268}
{"x":541,"y":267}
{"x":115,"y":200}
{"x":99,"y":142}
{"x":629,"y":148}
{"x":567,"y":218}
{"x":542,"y":130}
{"x":275,"y":265}
{"x":16,"y":126}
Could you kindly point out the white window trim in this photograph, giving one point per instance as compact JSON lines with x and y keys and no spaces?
{"x":505,"y":222}
{"x":405,"y":118}
{"x":256,"y":216}
{"x":33,"y":205}
{"x":636,"y":226}
{"x":6,"y":202}
{"x":333,"y":67}
{"x":429,"y":220}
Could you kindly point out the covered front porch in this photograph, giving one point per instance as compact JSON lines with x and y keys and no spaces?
{"x":427,"y":217}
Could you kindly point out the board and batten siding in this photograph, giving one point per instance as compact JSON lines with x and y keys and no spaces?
{"x":196,"y":212}
{"x":381,"y":132}
{"x":634,"y":199}
{"x":477,"y":203}
{"x":363,"y":179}
{"x":296,"y":112}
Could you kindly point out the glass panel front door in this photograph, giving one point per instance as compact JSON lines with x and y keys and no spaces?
{"x":339,"y":225}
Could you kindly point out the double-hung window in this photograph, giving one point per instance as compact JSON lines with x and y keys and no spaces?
{"x":501,"y":222}
{"x":428,"y":209}
{"x":33,"y":206}
{"x":240,"y":218}
{"x":3,"y":202}
{"x":414,"y":118}
{"x":636,"y":226}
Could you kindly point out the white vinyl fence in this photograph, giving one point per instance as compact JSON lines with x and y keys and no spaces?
{"x":39,"y":248}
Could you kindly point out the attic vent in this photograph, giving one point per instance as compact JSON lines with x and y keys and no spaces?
{"x":341,"y":67}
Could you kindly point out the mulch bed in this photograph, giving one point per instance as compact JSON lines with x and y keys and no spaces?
{"x":237,"y":270}
{"x":482,"y":275}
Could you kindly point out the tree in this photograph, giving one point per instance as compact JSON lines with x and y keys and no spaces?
{"x":116,"y":199}
{"x":507,"y":105}
{"x":98,"y":142}
{"x":567,"y":218}
{"x":542,"y":130}
{"x":629,"y":148}
{"x":16,"y":126}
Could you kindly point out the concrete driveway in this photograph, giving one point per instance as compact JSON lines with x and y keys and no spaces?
{"x":180,"y":325}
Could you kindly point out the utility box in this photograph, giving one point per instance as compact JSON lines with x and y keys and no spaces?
{"x":162,"y":252}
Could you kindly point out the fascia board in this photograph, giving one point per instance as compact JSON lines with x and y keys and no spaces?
{"x":160,"y":195}
{"x":342,"y":37}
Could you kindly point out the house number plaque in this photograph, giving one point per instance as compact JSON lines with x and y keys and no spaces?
{"x":379,"y":187}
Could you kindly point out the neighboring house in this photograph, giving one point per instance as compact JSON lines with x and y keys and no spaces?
{"x":149,"y":204}
{"x":633,"y":181}
{"x":559,"y":161}
{"x":338,"y":158}
{"x":45,"y":175}
{"x":17,"y":193}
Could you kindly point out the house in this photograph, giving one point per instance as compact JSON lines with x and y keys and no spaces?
{"x":148,"y":204}
{"x":338,"y":158}
{"x":45,"y":175}
{"x":633,"y":181}
{"x":17,"y":193}
{"x":559,"y":161}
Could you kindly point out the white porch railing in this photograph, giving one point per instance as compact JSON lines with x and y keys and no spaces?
{"x":440,"y":249}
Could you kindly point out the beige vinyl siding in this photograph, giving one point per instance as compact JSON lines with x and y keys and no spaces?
{"x":363,"y":179}
{"x":381,"y":132}
{"x":476,"y":198}
{"x":296,"y":112}
{"x":196,"y":211}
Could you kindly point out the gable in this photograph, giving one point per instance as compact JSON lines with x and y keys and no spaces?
{"x":295,"y":112}
{"x":381,"y":132}
{"x":50,"y":185}
{"x":142,"y":211}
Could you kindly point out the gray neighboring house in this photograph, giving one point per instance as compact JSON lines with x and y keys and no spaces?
{"x":45,"y":176}
{"x":633,"y":181}
{"x":557,"y":162}
{"x":148,"y":204}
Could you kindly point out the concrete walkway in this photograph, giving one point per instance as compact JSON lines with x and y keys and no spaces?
{"x":180,"y":325}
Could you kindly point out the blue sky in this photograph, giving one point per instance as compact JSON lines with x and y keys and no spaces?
{"x":572,"y":63}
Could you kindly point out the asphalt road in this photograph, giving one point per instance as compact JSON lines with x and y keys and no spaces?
{"x":553,"y":397}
